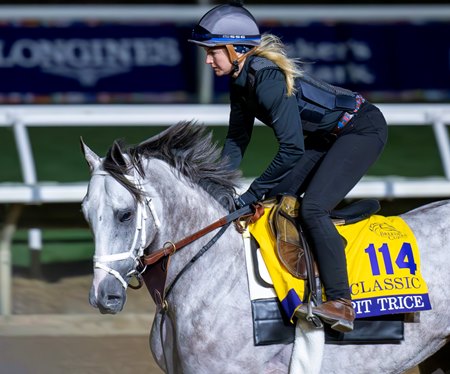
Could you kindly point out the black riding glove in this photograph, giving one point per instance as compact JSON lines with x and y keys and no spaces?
{"x":246,"y":198}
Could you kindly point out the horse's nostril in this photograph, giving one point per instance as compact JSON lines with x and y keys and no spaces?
{"x":110,"y":302}
{"x":113,"y":300}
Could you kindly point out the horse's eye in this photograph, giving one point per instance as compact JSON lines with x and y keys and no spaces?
{"x":125,"y":216}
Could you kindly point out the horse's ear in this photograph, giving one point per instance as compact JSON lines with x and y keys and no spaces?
{"x":116,"y":154}
{"x":92,"y":159}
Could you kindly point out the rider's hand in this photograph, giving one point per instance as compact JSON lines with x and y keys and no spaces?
{"x":246,"y":198}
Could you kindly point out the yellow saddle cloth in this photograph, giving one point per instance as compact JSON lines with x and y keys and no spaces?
{"x":383,"y":265}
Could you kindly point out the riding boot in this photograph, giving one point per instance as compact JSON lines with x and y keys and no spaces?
{"x":338,"y":313}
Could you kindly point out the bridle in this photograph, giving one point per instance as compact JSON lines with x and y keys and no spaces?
{"x":155,"y":279}
{"x":136,"y":250}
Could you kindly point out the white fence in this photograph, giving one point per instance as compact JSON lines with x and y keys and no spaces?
{"x":32,"y":191}
{"x":20,"y":118}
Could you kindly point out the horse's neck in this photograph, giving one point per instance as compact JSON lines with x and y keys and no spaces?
{"x":185,"y":210}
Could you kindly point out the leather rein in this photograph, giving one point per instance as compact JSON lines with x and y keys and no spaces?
{"x":170,"y":248}
{"x":156,"y":264}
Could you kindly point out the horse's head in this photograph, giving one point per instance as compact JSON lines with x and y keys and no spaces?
{"x":119,"y":202}
{"x":123,"y":222}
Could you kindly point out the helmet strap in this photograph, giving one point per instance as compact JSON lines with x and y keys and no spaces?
{"x":235,"y":60}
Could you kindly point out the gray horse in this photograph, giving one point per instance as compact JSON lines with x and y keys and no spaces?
{"x":174,"y":184}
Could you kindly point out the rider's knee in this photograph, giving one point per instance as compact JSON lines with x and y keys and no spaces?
{"x":311,"y":210}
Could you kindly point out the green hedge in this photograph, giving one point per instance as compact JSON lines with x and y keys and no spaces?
{"x":58,"y":246}
{"x":411,"y":151}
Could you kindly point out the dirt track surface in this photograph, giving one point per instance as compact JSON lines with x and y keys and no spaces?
{"x":77,"y":355}
{"x":54,"y":330}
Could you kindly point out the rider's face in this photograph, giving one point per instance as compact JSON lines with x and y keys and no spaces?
{"x":218,"y":58}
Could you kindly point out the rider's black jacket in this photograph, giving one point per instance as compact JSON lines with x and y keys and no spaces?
{"x":259,"y":92}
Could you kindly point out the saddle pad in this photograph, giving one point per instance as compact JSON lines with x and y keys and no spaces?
{"x":383,"y":265}
{"x":271,"y":326}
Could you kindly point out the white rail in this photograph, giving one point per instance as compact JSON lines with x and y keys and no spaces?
{"x":20,"y":118}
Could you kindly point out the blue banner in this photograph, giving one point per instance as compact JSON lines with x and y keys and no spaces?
{"x":95,"y":63}
{"x":142,"y":63}
{"x":384,"y":61}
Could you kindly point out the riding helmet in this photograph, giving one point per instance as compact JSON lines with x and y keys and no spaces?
{"x":226,"y":24}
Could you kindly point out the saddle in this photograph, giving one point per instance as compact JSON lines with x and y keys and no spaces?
{"x":292,"y":246}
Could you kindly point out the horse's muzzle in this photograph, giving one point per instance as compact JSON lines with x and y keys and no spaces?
{"x":108,"y":302}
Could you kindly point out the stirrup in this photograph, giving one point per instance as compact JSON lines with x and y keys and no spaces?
{"x":312,"y":318}
{"x":309,"y":316}
{"x":315,"y":321}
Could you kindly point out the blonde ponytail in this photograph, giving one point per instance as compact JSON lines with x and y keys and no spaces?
{"x":273,"y":49}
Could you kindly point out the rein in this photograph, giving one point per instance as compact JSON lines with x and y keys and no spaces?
{"x":156,"y":264}
{"x":197,"y":256}
{"x":170,"y":248}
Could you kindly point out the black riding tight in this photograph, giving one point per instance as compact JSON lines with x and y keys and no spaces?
{"x":327,"y":171}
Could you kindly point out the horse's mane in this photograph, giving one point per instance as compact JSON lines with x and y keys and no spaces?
{"x":185,"y":146}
